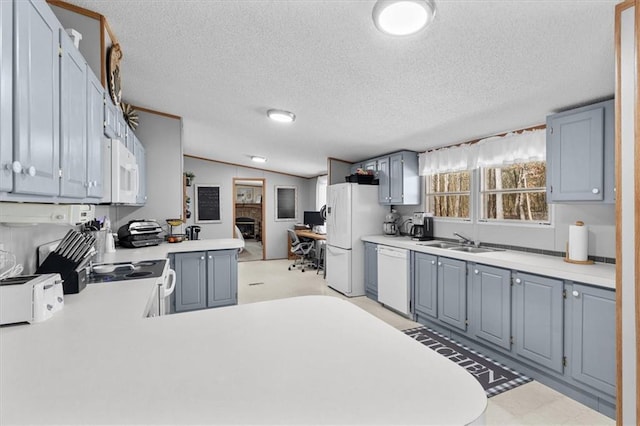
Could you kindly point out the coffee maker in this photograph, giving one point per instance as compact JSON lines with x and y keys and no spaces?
{"x":422,"y":229}
{"x":192,"y":232}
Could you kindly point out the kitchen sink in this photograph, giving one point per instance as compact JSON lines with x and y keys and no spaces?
{"x":475,"y":249}
{"x":441,"y":245}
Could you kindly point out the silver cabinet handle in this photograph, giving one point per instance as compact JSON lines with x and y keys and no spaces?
{"x":439,"y":263}
{"x":433,"y":262}
{"x":16,"y":167}
{"x":595,"y":190}
{"x":210,"y":257}
{"x":475,"y":271}
{"x":201,"y":257}
{"x":575,"y":293}
{"x":518,"y":280}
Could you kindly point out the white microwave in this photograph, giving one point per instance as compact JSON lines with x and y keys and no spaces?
{"x":121,"y":178}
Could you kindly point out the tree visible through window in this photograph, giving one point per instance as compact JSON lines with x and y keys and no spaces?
{"x":448,"y":194}
{"x":515,"y":192}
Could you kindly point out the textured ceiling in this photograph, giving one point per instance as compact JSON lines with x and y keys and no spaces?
{"x":483,"y":67}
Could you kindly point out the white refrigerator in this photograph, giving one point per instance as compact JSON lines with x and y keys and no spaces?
{"x":352,"y":213}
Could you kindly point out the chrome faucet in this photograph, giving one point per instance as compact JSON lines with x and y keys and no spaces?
{"x":466,"y":240}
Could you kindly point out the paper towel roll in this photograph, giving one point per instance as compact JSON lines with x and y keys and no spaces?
{"x":578,"y":242}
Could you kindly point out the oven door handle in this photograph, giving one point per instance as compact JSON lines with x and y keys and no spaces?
{"x":172,"y":287}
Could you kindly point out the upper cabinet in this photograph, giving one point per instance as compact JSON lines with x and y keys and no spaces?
{"x":95,"y":120}
{"x":580,"y":154}
{"x":398,"y":179}
{"x":36,"y":152}
{"x":141,"y":161}
{"x":6,"y":95}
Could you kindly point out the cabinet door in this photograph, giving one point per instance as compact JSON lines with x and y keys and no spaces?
{"x":371,"y":165}
{"x":538,"y":313}
{"x":191,"y":281}
{"x":575,"y":145}
{"x":222,"y":278}
{"x":95,"y":119}
{"x":383,"y":180}
{"x":425,"y":284}
{"x":110,"y":118}
{"x":6,"y":95}
{"x":490,"y":316}
{"x":371,"y":270}
{"x":37,"y":98}
{"x":452,"y":292}
{"x":395,"y":179}
{"x":593,"y":343}
{"x":73,"y":120}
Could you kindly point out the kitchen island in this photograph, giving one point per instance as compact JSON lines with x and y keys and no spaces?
{"x":305,"y":360}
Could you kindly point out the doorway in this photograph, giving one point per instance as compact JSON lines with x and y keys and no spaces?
{"x":248,"y":217}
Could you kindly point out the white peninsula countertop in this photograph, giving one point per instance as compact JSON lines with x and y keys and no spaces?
{"x":598,"y":274}
{"x":304,"y":360}
{"x":164,"y":249}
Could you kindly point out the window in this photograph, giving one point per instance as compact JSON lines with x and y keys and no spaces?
{"x":448,"y":194}
{"x":514,"y":193}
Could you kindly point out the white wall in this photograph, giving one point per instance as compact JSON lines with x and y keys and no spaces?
{"x":274,"y":232}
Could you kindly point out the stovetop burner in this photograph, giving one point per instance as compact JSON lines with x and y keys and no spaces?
{"x":129,"y":271}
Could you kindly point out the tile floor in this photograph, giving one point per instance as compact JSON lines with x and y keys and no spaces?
{"x":529,"y":404}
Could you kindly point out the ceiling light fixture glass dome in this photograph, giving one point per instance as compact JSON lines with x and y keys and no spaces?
{"x":258,"y":159}
{"x":403,"y":17}
{"x":281,"y":116}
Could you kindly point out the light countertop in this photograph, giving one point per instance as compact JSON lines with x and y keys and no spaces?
{"x":164,"y":249}
{"x":305,"y":360}
{"x":599,"y":274}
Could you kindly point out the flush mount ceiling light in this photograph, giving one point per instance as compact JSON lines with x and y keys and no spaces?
{"x":281,"y":116}
{"x":258,"y":159}
{"x":403,"y":17}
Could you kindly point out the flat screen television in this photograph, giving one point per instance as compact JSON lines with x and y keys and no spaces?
{"x":312,"y":219}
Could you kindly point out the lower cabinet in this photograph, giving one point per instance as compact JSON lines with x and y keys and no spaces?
{"x":205,"y":279}
{"x":538,"y":318}
{"x":371,"y":270}
{"x":490,"y":306}
{"x":425,"y":279}
{"x":593,"y":338}
{"x":452,"y":292}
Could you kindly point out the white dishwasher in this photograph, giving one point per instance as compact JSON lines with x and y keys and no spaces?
{"x":393,"y":278}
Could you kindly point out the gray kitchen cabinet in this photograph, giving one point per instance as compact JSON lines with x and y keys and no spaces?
{"x":222,"y":278}
{"x":110,"y":117}
{"x":73,"y":120}
{"x":6,"y":95}
{"x":399,"y":182}
{"x":452,"y":292}
{"x":95,"y":119}
{"x":580,"y":154}
{"x":365,"y":165}
{"x":205,"y":279}
{"x":538,"y":319}
{"x":593,"y":337}
{"x":490,"y":310}
{"x":191,"y":280}
{"x":371,"y":270}
{"x":36,"y":99}
{"x":425,"y":284}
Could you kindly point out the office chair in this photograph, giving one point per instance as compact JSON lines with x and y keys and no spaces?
{"x":300,"y":249}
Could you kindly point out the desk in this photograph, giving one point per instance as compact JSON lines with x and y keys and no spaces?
{"x":303,"y":233}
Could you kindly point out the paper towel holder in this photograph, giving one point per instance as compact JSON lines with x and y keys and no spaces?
{"x":578,"y":262}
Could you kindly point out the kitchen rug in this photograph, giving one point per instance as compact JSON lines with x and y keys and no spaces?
{"x":494,"y":377}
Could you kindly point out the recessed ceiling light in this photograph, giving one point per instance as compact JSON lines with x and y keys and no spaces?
{"x":258,"y":159}
{"x":403,"y":17}
{"x":281,"y":116}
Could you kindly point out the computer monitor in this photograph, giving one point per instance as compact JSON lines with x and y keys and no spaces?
{"x":312,"y":219}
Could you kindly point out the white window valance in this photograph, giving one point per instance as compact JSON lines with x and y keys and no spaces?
{"x":490,"y":152}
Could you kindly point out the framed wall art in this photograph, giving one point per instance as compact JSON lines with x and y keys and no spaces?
{"x":286,"y":202}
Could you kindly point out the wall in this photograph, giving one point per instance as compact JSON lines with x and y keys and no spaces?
{"x":161,"y":136}
{"x":274,"y":232}
{"x":599,"y":218}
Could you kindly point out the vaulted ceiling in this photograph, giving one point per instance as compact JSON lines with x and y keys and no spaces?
{"x":481,"y":68}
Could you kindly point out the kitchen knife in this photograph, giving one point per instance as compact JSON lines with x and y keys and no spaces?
{"x":64,"y":242}
{"x":77,"y":239}
{"x":81,"y":246}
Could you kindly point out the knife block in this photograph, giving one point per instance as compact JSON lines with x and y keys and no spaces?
{"x":74,"y":278}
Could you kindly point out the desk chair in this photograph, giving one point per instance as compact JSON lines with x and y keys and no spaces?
{"x":301,"y":249}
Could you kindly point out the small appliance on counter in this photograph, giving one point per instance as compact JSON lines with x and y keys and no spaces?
{"x":390,"y":225}
{"x":30,"y":298}
{"x":192,"y":232}
{"x":422,"y":229}
{"x":140,"y":233}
